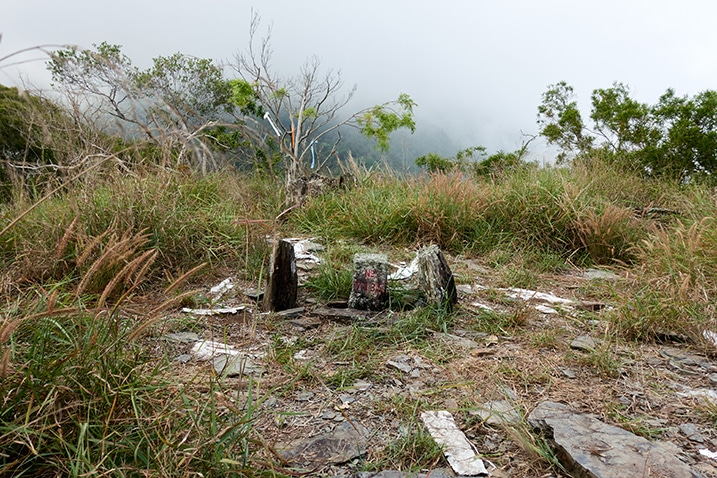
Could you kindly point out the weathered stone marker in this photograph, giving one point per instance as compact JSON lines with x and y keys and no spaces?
{"x":435,"y":278}
{"x":370,"y":282}
{"x":283,"y":280}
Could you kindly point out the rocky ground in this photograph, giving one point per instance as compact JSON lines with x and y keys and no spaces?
{"x":336,"y":394}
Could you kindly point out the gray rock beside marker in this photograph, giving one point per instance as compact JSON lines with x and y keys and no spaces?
{"x":436,"y":279}
{"x":370,"y":282}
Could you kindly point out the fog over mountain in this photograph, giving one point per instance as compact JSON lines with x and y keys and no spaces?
{"x":476,"y":69}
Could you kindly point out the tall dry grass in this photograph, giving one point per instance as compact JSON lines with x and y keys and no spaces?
{"x":559,"y":211}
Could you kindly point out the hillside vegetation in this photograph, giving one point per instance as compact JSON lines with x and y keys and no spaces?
{"x":92,"y":269}
{"x":109,"y":229}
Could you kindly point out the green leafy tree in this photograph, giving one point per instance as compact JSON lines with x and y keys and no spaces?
{"x":561,"y":122}
{"x":35,"y":138}
{"x":179,"y":104}
{"x":476,"y":161}
{"x":185,"y":90}
{"x":99,"y":82}
{"x":688,"y":133}
{"x":463,"y":160}
{"x":623,"y":123}
{"x":434,"y":162}
{"x":676,"y":137}
{"x":25,"y":127}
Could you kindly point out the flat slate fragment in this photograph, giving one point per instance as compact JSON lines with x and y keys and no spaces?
{"x":437,"y":473}
{"x":588,"y":447}
{"x":233,"y":365}
{"x":346,"y":442}
{"x":343,"y":315}
{"x":585,"y":343}
{"x":499,"y":413}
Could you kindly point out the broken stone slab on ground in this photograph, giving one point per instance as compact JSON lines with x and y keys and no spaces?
{"x":303,"y":249}
{"x":346,"y":442}
{"x":369,"y":290}
{"x":589,"y":447}
{"x":283,"y":281}
{"x":182,"y":337}
{"x":233,"y":365}
{"x":342,"y":314}
{"x":458,"y":450}
{"x":226,"y":360}
{"x":586,"y":343}
{"x":437,"y":473}
{"x":527,"y":294}
{"x":435,"y":278}
{"x":216,"y":311}
{"x":599,"y":274}
{"x":499,"y":413}
{"x":222,"y":288}
{"x":400,"y":362}
{"x":456,"y":340}
{"x":208,"y":349}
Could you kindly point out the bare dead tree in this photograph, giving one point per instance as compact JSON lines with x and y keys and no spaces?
{"x":304,"y":109}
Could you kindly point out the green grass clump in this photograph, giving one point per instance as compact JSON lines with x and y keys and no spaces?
{"x":81,"y":397}
{"x":331,"y":283}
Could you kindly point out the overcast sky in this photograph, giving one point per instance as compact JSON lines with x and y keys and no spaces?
{"x":477,"y":68}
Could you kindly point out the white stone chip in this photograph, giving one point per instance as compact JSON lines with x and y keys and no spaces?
{"x":710,"y":336}
{"x":526,"y":294}
{"x":223,"y":287}
{"x":458,"y":450}
{"x":209,"y":349}
{"x":482,"y":306}
{"x":214,"y":311}
{"x":405,"y":272}
{"x":545,"y":309}
{"x":708,"y":453}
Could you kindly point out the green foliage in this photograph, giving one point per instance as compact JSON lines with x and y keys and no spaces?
{"x":27,"y":133}
{"x":181,"y":105}
{"x":561,"y":212}
{"x":21,"y":128}
{"x":474,"y":160}
{"x":462,"y":161}
{"x":189,"y":219}
{"x":497,"y":164}
{"x":86,"y":399}
{"x":246,"y":97}
{"x":331,"y":283}
{"x":190,"y":89}
{"x":434,"y":162}
{"x":560,"y":120}
{"x":675,"y":138}
{"x":102,"y":80}
{"x":413,"y":450}
{"x":86,"y":69}
{"x":380,"y":121}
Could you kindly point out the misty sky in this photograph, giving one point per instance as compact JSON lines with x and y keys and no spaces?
{"x":476,"y":68}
